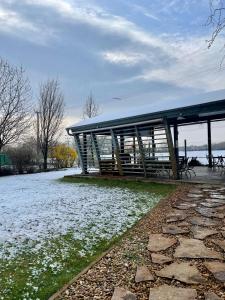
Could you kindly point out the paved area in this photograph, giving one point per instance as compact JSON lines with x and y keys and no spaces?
{"x":192,"y":260}
{"x":206,"y":175}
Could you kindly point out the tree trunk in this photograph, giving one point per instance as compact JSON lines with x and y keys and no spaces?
{"x":45,"y":157}
{"x":45,"y":164}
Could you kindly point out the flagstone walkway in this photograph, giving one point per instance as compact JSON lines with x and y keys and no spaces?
{"x":186,"y":234}
{"x":175,"y":253}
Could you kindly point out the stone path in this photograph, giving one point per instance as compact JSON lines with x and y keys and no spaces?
{"x":189,"y":249}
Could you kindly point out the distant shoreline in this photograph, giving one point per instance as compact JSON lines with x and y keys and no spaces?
{"x":217,"y":146}
{"x":201,"y":149}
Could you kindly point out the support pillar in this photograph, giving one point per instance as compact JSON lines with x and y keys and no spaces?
{"x":185,"y":148}
{"x":153,"y":141}
{"x":141,"y":150}
{"x":134,"y":150}
{"x":85,"y":160}
{"x":171,"y":150}
{"x":121,"y":144}
{"x":176,"y":148}
{"x":117,"y":152}
{"x":96,"y":149}
{"x":79,"y":151}
{"x":209,"y":143}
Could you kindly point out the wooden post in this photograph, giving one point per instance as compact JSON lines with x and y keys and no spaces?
{"x":153,"y":141}
{"x":96,"y":149}
{"x":85,"y":159}
{"x":176,"y":149}
{"x":117,"y":152}
{"x":141,"y":150}
{"x":185,"y":148}
{"x":121,"y":144}
{"x":209,"y":143}
{"x":79,"y":151}
{"x":134,"y":150}
{"x":171,"y":150}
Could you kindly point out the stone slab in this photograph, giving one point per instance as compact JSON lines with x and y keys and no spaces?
{"x":211,"y":296}
{"x":174,"y":229}
{"x":175,"y":216}
{"x":160,"y":258}
{"x":217,"y":269}
{"x":194,"y":195}
{"x":209,"y":212}
{"x":193,"y":248}
{"x":183,"y":272}
{"x":143,"y":274}
{"x":122,"y":294}
{"x":215,"y":200}
{"x":158,"y":242}
{"x":184,"y":206}
{"x":195,"y":191}
{"x":203,"y":221}
{"x":183,"y":224}
{"x":217,"y":196}
{"x":167,"y":292}
{"x":219,"y":243}
{"x":201,"y":233}
{"x":211,"y":204}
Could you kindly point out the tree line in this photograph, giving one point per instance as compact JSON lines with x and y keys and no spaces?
{"x":29,"y":134}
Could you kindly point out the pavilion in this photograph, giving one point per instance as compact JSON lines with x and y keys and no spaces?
{"x":143,"y":141}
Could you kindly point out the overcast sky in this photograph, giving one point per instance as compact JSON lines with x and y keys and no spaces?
{"x":140,"y":51}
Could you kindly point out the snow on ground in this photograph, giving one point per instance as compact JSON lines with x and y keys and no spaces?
{"x":37,"y":207}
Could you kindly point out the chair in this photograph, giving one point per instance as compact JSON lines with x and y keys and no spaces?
{"x":184,"y":167}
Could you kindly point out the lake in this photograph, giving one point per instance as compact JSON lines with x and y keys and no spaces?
{"x":201,"y":155}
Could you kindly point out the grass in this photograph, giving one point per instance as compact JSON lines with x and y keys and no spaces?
{"x":31,"y":276}
{"x":138,"y":186}
{"x":38,"y":273}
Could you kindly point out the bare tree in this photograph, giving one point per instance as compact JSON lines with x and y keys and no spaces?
{"x":51,"y":110}
{"x":91,"y":108}
{"x":15,"y":93}
{"x":216,"y":20}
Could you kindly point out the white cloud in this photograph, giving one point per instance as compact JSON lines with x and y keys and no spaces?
{"x":195,"y":66}
{"x":84,"y":12}
{"x":144,"y":11}
{"x":124,"y":58}
{"x":167,"y":58}
{"x":11,"y":22}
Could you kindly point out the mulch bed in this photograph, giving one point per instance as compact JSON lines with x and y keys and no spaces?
{"x":118,"y":266}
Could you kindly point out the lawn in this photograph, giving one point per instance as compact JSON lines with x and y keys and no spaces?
{"x":52,"y":228}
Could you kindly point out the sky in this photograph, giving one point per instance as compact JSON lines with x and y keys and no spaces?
{"x":126,"y":52}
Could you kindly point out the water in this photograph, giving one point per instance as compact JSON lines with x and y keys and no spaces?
{"x":202,"y":155}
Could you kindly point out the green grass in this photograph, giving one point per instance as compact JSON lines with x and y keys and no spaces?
{"x":37,"y":274}
{"x":19,"y":278}
{"x":138,"y":186}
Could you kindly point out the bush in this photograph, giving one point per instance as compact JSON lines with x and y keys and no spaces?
{"x":63,"y":156}
{"x":23,"y":157}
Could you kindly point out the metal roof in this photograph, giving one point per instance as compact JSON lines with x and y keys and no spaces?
{"x":186,"y":114}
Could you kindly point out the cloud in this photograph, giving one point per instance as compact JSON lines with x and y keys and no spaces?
{"x":13,"y":23}
{"x":94,"y":16}
{"x":124,"y":58}
{"x":144,"y":11}
{"x":10,"y":20}
{"x":133,"y":54}
{"x":195,"y":66}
